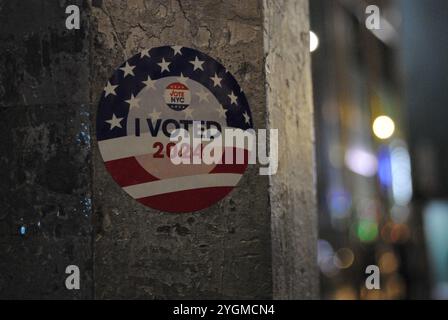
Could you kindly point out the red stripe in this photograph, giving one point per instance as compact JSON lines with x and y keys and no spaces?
{"x":229,"y":168}
{"x":127,"y":172}
{"x":232,"y":168}
{"x":186,"y":201}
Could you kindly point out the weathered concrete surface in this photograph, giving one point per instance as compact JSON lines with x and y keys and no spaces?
{"x":45,"y":179}
{"x":290,"y":110}
{"x":42,"y":62}
{"x":221,"y":252}
{"x":50,"y":83}
{"x":44,"y":152}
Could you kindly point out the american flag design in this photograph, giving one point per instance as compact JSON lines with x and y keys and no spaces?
{"x":148,"y":96}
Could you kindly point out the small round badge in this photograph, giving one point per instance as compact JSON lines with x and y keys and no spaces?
{"x":177,"y":96}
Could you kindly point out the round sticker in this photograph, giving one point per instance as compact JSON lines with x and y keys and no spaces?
{"x":149,"y":96}
{"x":177,"y":96}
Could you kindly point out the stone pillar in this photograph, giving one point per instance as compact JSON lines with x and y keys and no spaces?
{"x":258,"y":242}
{"x":224,"y":251}
{"x":220,"y":252}
{"x":293,"y":188}
{"x":45,"y":171}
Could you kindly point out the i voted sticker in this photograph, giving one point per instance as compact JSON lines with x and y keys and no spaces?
{"x":148,"y":97}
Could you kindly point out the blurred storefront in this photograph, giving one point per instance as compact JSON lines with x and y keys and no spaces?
{"x":374,"y":123}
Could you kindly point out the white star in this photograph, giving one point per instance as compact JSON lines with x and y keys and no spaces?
{"x":197,"y":64}
{"x":233,"y":98}
{"x":182,"y":79}
{"x":149,"y":83}
{"x":246,"y":117}
{"x":154,"y":115}
{"x":127,"y":69}
{"x":114,"y":122}
{"x":144,"y":53}
{"x":188,"y":113}
{"x":222,"y":112}
{"x":164,"y":65}
{"x":109,"y":89}
{"x":177,"y":49}
{"x":216,"y":80}
{"x":203,"y":95}
{"x":133,"y":102}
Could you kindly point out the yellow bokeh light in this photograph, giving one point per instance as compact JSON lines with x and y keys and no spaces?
{"x":383,"y":127}
{"x":344,"y":258}
{"x":388,"y":263}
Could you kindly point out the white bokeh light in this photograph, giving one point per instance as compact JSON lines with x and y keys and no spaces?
{"x":383,"y":127}
{"x":314,"y":41}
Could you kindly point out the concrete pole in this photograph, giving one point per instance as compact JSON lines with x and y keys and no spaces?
{"x":290,"y":110}
{"x":235,"y":248}
{"x":45,"y":172}
{"x":220,"y":252}
{"x":258,"y":242}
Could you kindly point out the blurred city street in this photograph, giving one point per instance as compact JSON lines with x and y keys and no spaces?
{"x":380,"y":104}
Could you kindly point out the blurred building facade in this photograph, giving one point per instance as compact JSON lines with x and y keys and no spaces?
{"x":424,"y":51}
{"x":371,"y":91}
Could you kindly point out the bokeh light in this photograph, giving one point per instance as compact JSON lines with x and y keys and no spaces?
{"x":345,"y":293}
{"x":361,"y":161}
{"x":388,"y":263}
{"x":401,"y":175}
{"x":383,"y":127}
{"x":339,"y":202}
{"x":325,"y":258}
{"x":367,"y":230}
{"x":344,"y":258}
{"x":395,"y":287}
{"x":384,"y":167}
{"x":314,"y":41}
